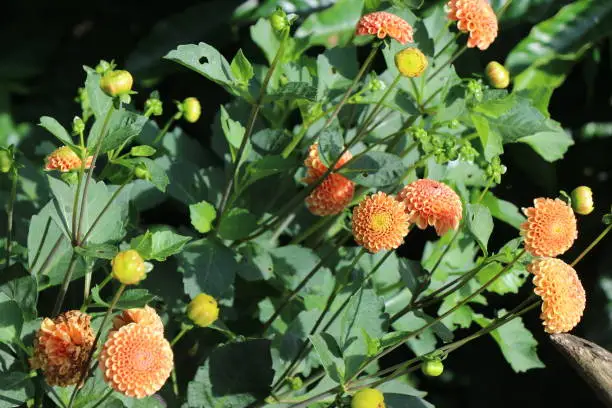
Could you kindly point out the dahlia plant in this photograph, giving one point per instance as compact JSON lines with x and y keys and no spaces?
{"x":283,"y":280}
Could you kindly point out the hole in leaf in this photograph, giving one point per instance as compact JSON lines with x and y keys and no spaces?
{"x":203,"y":60}
{"x":364,"y":174}
{"x":334,"y":70}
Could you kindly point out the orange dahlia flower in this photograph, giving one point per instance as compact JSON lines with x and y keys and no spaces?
{"x":146,"y":316}
{"x":62,"y":347}
{"x":477,"y":18}
{"x":64,"y":160}
{"x":563,"y":297}
{"x":335,"y":192}
{"x":550,"y":229}
{"x":429,"y":202}
{"x":136,"y":360}
{"x":380,"y":223}
{"x":381,"y":24}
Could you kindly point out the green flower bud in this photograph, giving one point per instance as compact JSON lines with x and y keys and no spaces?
{"x":432,"y":368}
{"x":368,"y":398}
{"x":454,"y":124}
{"x":78,"y":126}
{"x":203,"y":310}
{"x":498,"y":75}
{"x":154,"y":106}
{"x":116,"y":83}
{"x":128,"y":267}
{"x":6,"y":161}
{"x":70,"y":178}
{"x":474,"y":89}
{"x":104,"y":66}
{"x":141,"y":172}
{"x":191,"y":110}
{"x":582,"y":200}
{"x":295,"y":383}
{"x":279,"y":20}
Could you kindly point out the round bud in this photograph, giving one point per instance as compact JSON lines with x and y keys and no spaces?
{"x":191,"y":109}
{"x":128,"y":267}
{"x":78,"y":126}
{"x":411,"y":62}
{"x":141,"y":172}
{"x":279,"y":20}
{"x":498,"y":75}
{"x":6,"y":161}
{"x":432,"y":368}
{"x":203,"y":310}
{"x":296,"y":383}
{"x":582,"y":200}
{"x":154,"y":106}
{"x":116,"y":83}
{"x":368,"y":398}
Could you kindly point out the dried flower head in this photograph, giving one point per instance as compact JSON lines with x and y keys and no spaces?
{"x":136,"y":360}
{"x":411,"y":62}
{"x":477,"y":18}
{"x":381,"y":24}
{"x":62,"y":347}
{"x":335,"y":192}
{"x":64,"y":159}
{"x":550,"y":229}
{"x":146,"y":316}
{"x":380,"y":223}
{"x":563,"y":297}
{"x":430,"y":202}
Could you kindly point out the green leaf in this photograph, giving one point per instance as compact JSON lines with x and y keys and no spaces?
{"x":16,"y":388}
{"x":131,"y":298}
{"x":256,"y":263}
{"x":509,"y":282}
{"x":202,"y":216}
{"x":330,"y":354}
{"x":503,"y":210}
{"x":142,"y":151}
{"x":331,"y":145}
{"x":292,"y":91}
{"x":242,"y":68}
{"x":207,"y":266}
{"x":102,"y":251}
{"x":292,"y":263}
{"x":480,"y":224}
{"x":393,"y":400}
{"x":332,"y":27}
{"x":11,"y":319}
{"x":412,"y":273}
{"x":98,"y":100}
{"x":159,"y":244}
{"x":265,"y":37}
{"x":123,"y":126}
{"x":233,"y":131}
{"x":516,"y":343}
{"x":550,"y":145}
{"x":21,"y":287}
{"x":159,"y":178}
{"x":237,"y":223}
{"x":56,"y":130}
{"x":270,"y":141}
{"x":265,"y":167}
{"x":374,"y":169}
{"x":92,"y":392}
{"x":225,"y":381}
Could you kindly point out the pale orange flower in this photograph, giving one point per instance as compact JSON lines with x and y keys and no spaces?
{"x":380,"y":223}
{"x":335,"y":192}
{"x":136,"y":360}
{"x":381,"y":24}
{"x":563,"y":297}
{"x":477,"y":18}
{"x":146,"y":316}
{"x":64,"y":160}
{"x":62,"y":347}
{"x":550,"y":229}
{"x":430,"y":202}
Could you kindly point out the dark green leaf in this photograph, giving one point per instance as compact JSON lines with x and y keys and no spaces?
{"x":22,"y":287}
{"x":330,"y":354}
{"x":102,"y":251}
{"x":292,"y":91}
{"x":480,"y":224}
{"x":11,"y":319}
{"x":233,"y":131}
{"x":132,"y":298}
{"x":237,"y":223}
{"x":56,"y":129}
{"x":98,"y":100}
{"x":393,"y":400}
{"x":16,"y":388}
{"x":270,"y":141}
{"x":374,"y":169}
{"x":256,"y":263}
{"x":123,"y":126}
{"x":159,"y":178}
{"x":331,"y":144}
{"x":504,"y":210}
{"x":265,"y":167}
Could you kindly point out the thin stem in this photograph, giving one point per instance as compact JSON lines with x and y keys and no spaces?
{"x":77,"y":195}
{"x":180,"y":334}
{"x":106,"y":207}
{"x":592,"y":245}
{"x":485,"y":191}
{"x":87,"y":301}
{"x":322,"y":221}
{"x":104,"y":398}
{"x":65,"y":283}
{"x":164,"y":130}
{"x":9,"y":218}
{"x":85,"y":370}
{"x":49,"y":258}
{"x":93,"y":165}
{"x":447,"y":63}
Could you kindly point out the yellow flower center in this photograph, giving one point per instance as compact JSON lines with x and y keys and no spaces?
{"x":380,"y":222}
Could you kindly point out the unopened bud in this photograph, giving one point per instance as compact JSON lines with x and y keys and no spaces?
{"x":191,"y":109}
{"x":432,"y":368}
{"x":128,"y":267}
{"x":368,"y":398}
{"x":116,"y":83}
{"x":154,"y":106}
{"x":582,"y":200}
{"x":411,"y":62}
{"x":203,"y":310}
{"x":141,"y":172}
{"x":279,"y":20}
{"x":498,"y":75}
{"x":78,"y":126}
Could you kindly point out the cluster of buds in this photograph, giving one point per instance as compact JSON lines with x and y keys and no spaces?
{"x":443,"y":148}
{"x":154,"y":105}
{"x":495,"y":169}
{"x":475,"y":90}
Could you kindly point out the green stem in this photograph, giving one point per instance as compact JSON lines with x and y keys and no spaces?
{"x":65,"y":283}
{"x":9,"y":218}
{"x":322,"y":221}
{"x":164,"y":130}
{"x":106,"y":207}
{"x":85,"y":370}
{"x":87,"y":301}
{"x":75,"y":203}
{"x":49,"y":258}
{"x":592,"y":245}
{"x":104,"y":398}
{"x":180,"y":334}
{"x":93,"y":165}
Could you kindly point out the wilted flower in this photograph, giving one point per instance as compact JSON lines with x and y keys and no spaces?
{"x":477,"y":18}
{"x":498,"y":75}
{"x":62,"y":347}
{"x":380,"y":223}
{"x":430,"y":202}
{"x":411,"y":62}
{"x":563,"y":297}
{"x":381,"y":24}
{"x":146,"y":316}
{"x":203,"y":310}
{"x":128,"y":267}
{"x":65,"y":159}
{"x":550,"y":229}
{"x":136,"y":360}
{"x":368,"y":398}
{"x":582,"y":200}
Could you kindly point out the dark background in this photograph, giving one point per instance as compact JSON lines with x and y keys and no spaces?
{"x":44,"y":45}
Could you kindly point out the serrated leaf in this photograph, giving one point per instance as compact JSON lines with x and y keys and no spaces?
{"x":509,"y":282}
{"x":122,"y":127}
{"x":330,"y":354}
{"x":237,"y":223}
{"x":202,"y":216}
{"x":270,"y":141}
{"x":256,"y":263}
{"x":480,"y":224}
{"x":11,"y":319}
{"x":233,"y":130}
{"x":22,"y":287}
{"x":132,"y":298}
{"x":374,"y":169}
{"x":159,"y":244}
{"x":331,"y":144}
{"x":158,"y":178}
{"x":265,"y":167}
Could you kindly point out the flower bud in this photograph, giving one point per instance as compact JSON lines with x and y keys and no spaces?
{"x":141,"y":172}
{"x":582,"y":200}
{"x":154,"y":106}
{"x":116,"y":83}
{"x":191,"y":109}
{"x":411,"y":62}
{"x":368,"y":398}
{"x":6,"y":161}
{"x":498,"y":75}
{"x":78,"y":126}
{"x":104,"y":66}
{"x":128,"y":267}
{"x":279,"y":20}
{"x":203,"y":310}
{"x":432,"y":368}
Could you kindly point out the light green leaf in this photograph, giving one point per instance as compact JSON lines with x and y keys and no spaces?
{"x":132,"y":298}
{"x":16,"y":388}
{"x":503,"y":210}
{"x":142,"y":151}
{"x":123,"y":126}
{"x":480,"y":224}
{"x":159,"y":178}
{"x":98,"y":100}
{"x":292,"y":91}
{"x":233,"y":131}
{"x":330,"y":354}
{"x":237,"y":223}
{"x":374,"y":169}
{"x":102,"y":251}
{"x":202,"y":215}
{"x":509,"y":282}
{"x":242,"y":69}
{"x":11,"y":319}
{"x":256,"y":262}
{"x":159,"y":244}
{"x":21,"y":287}
{"x":334,"y":26}
{"x":266,"y":38}
{"x":56,"y":130}
{"x":550,"y":145}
